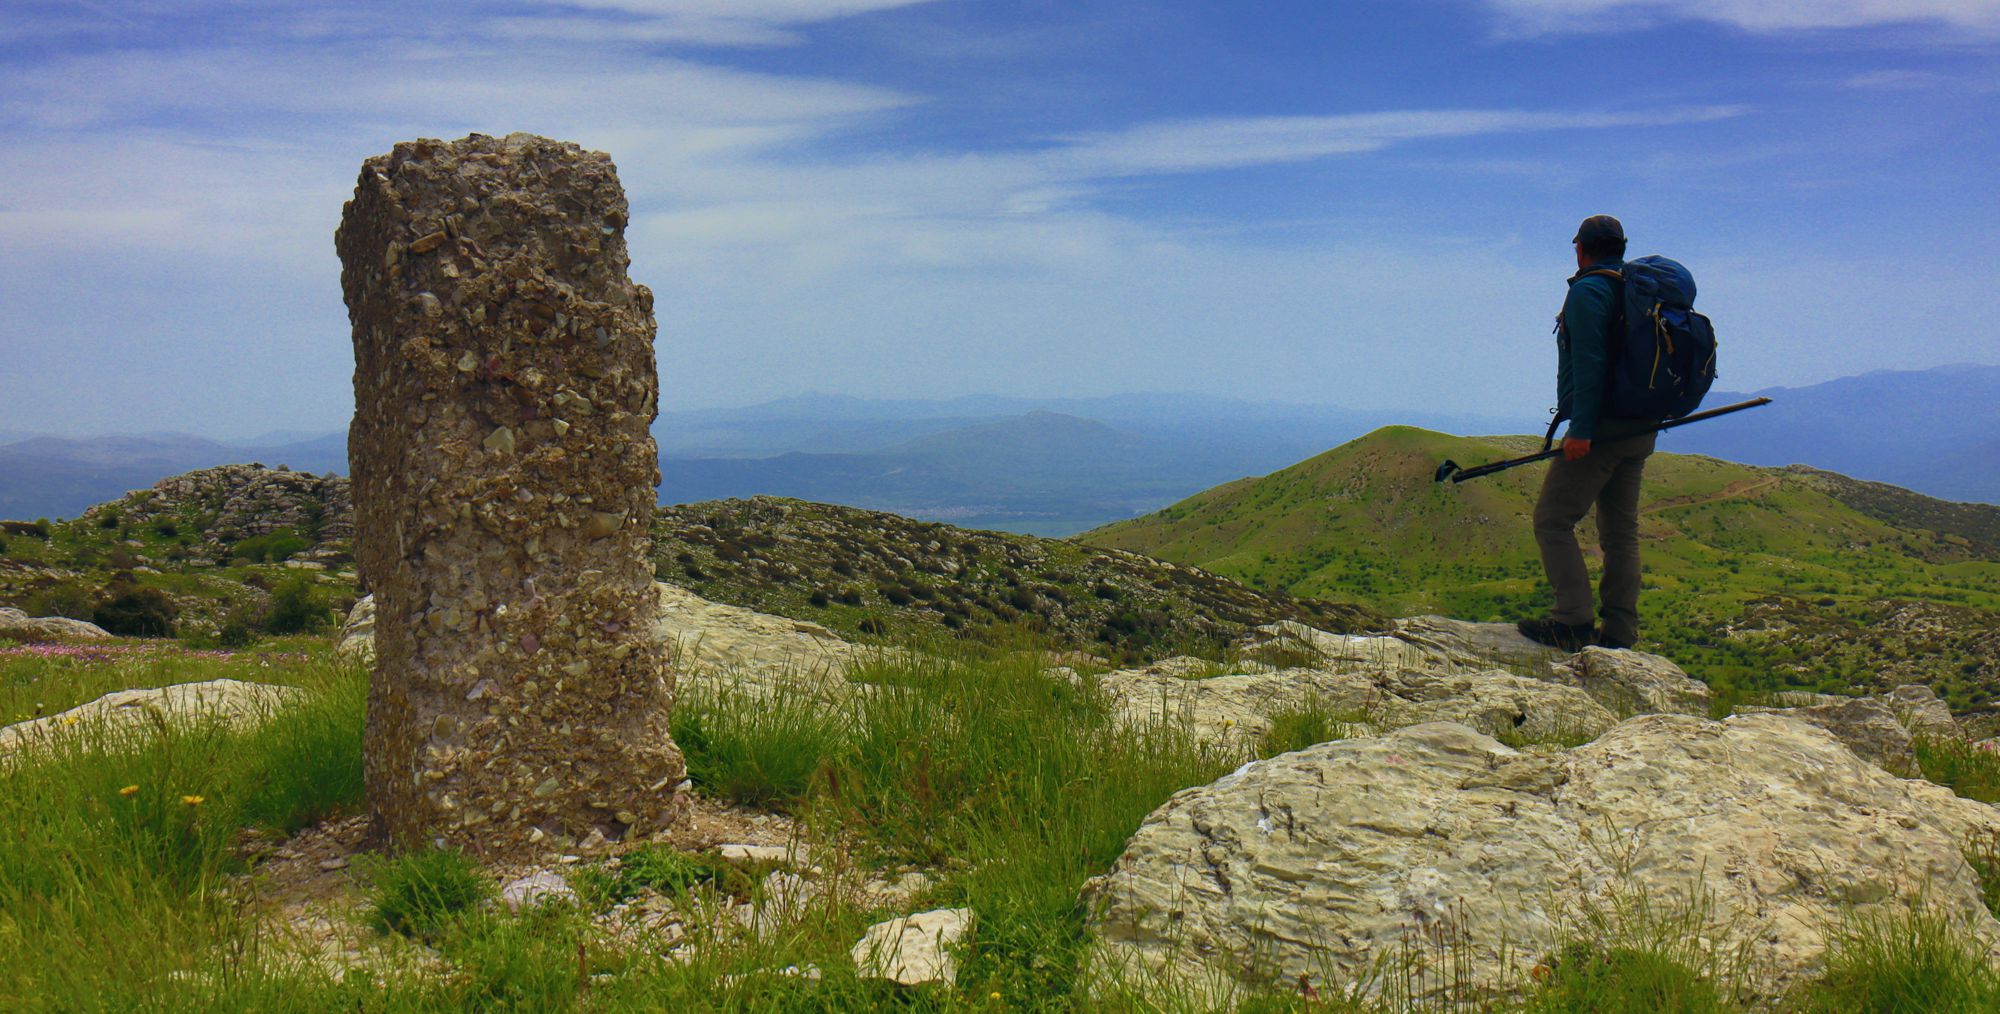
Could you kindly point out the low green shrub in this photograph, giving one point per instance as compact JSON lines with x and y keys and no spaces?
{"x":70,"y":598}
{"x":416,"y":893}
{"x":297,"y":608}
{"x":271,"y":547}
{"x":135,"y":611}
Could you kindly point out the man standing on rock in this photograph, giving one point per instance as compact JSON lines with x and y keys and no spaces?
{"x":1602,"y":461}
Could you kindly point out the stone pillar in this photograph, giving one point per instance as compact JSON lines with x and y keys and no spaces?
{"x":504,"y":475}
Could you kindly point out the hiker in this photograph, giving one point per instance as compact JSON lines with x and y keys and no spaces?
{"x":1602,"y":459}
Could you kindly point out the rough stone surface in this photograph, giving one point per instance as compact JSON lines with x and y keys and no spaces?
{"x":723,"y":638}
{"x":1329,"y":858}
{"x":1867,"y":727}
{"x":1236,"y":708}
{"x":1489,"y":643}
{"x":129,"y":714}
{"x":503,"y":487}
{"x":16,"y":625}
{"x":745,"y":650}
{"x":915,"y":949}
{"x":1632,"y":682}
{"x":1354,"y":651}
{"x":1921,"y":712}
{"x":357,"y":635}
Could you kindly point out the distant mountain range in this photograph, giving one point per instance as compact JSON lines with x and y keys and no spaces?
{"x":1055,"y":466}
{"x":1933,"y":431}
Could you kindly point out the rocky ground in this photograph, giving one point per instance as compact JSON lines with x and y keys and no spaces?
{"x":1464,"y":785}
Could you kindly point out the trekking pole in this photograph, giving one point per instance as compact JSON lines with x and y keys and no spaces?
{"x":1451,"y":470}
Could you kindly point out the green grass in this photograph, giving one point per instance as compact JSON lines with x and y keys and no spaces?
{"x":1723,"y":543}
{"x":1012,"y":786}
{"x":39,"y":680}
{"x":117,"y":857}
{"x":1966,"y":768}
{"x":1921,"y":961}
{"x":417,"y":893}
{"x":1585,"y":978}
{"x":1311,"y":723}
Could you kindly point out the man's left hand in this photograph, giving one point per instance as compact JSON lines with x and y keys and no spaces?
{"x":1574,"y":449}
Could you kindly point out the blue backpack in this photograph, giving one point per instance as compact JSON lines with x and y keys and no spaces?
{"x":1663,"y":355}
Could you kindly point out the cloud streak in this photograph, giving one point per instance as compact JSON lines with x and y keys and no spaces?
{"x":1570,"y":17}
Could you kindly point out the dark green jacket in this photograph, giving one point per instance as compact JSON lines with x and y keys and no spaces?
{"x":1583,"y":347}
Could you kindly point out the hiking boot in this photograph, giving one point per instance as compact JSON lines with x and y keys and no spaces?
{"x":1605,"y":640}
{"x":1557,"y":634}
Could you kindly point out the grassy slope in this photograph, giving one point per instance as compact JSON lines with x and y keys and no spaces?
{"x":1365,"y":520}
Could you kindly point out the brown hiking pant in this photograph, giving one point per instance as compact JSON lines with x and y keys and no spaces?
{"x":1609,"y":477}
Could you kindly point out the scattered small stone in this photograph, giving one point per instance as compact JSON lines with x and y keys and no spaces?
{"x":534,"y":889}
{"x":748,"y":854}
{"x":336,"y":863}
{"x":915,"y":949}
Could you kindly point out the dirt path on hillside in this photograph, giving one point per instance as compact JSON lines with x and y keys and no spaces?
{"x":1734,"y":491}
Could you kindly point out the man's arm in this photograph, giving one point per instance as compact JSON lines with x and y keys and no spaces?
{"x":1587,"y":316}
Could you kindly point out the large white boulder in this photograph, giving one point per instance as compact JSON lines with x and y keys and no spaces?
{"x":743,"y":648}
{"x":128,"y":715}
{"x":19,"y":626}
{"x":1325,"y":861}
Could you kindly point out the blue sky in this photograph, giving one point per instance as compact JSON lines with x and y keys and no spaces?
{"x":1357,"y":203}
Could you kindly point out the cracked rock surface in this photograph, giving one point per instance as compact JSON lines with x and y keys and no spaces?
{"x":1329,"y":859}
{"x":503,"y":486}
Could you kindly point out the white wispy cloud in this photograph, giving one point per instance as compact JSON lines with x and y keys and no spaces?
{"x":1552,"y":17}
{"x":1225,"y":143}
{"x":697,"y":22}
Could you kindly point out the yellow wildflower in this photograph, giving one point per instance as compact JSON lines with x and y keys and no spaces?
{"x":129,"y":790}
{"x":192,"y":800}
{"x":72,"y":719}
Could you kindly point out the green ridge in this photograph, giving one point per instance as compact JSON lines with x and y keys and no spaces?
{"x":1756,"y":577}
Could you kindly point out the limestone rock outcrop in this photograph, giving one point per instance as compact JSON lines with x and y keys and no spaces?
{"x":504,"y":477}
{"x":128,"y":715}
{"x":16,"y":625}
{"x":1330,"y":858}
{"x":748,"y":650}
{"x":1489,"y":643}
{"x":1632,"y":682}
{"x":1866,"y":726}
{"x":1236,"y":708}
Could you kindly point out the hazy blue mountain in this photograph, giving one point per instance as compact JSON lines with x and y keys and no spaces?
{"x":1043,"y":470}
{"x":1934,"y":431}
{"x":60,"y":476}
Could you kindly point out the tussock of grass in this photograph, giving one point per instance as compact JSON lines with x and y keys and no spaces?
{"x":416,"y":893}
{"x":1920,"y":959}
{"x":1585,"y":978}
{"x":1964,"y":767}
{"x":1310,"y":723}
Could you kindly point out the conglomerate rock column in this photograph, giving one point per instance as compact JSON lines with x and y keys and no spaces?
{"x":504,"y":476}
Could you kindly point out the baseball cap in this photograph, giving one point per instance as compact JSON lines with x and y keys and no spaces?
{"x":1599,"y":229}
